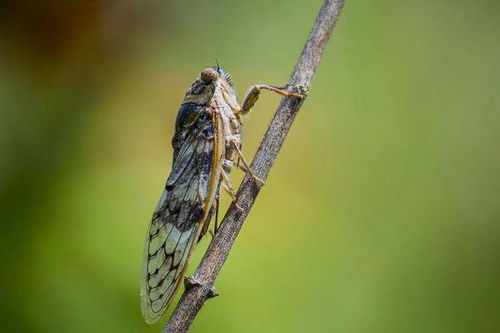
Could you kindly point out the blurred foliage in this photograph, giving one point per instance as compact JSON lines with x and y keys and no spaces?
{"x":381,"y":214}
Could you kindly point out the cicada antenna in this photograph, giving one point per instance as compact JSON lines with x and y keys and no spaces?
{"x":217,"y":62}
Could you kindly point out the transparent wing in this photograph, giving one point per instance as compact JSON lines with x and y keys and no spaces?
{"x":177,"y":221}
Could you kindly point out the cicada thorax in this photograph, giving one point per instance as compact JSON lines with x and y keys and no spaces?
{"x":227,"y":106}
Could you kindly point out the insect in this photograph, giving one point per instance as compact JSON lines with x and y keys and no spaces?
{"x":206,"y":143}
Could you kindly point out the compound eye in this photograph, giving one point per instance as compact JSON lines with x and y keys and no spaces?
{"x":209,"y":75}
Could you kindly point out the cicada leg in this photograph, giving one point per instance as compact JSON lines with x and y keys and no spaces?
{"x":226,"y":184}
{"x":206,"y":224}
{"x":259,"y":181}
{"x":216,"y":224}
{"x":253,"y":95}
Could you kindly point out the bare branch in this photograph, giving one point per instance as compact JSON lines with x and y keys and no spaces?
{"x":197,"y":293}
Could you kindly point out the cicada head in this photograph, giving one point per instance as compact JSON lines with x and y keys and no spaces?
{"x":226,"y":83}
{"x":203,"y":88}
{"x":223,"y":74}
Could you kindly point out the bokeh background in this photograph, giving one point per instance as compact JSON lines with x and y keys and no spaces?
{"x":381,"y":213}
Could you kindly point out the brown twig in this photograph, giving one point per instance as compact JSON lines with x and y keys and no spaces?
{"x":200,"y":286}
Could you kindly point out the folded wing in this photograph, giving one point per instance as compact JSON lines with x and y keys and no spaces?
{"x":179,"y":216}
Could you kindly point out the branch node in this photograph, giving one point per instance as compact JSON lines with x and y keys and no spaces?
{"x":191,"y":282}
{"x":212,"y":293}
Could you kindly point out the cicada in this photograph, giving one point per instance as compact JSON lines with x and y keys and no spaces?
{"x":206,"y":143}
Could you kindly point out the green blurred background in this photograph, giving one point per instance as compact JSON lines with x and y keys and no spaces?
{"x":380,"y":215}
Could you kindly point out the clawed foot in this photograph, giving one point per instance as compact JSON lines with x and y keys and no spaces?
{"x":238,"y":207}
{"x":303,"y":91}
{"x":257,"y":180}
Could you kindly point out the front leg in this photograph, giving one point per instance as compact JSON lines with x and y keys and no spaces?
{"x":253,"y":95}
